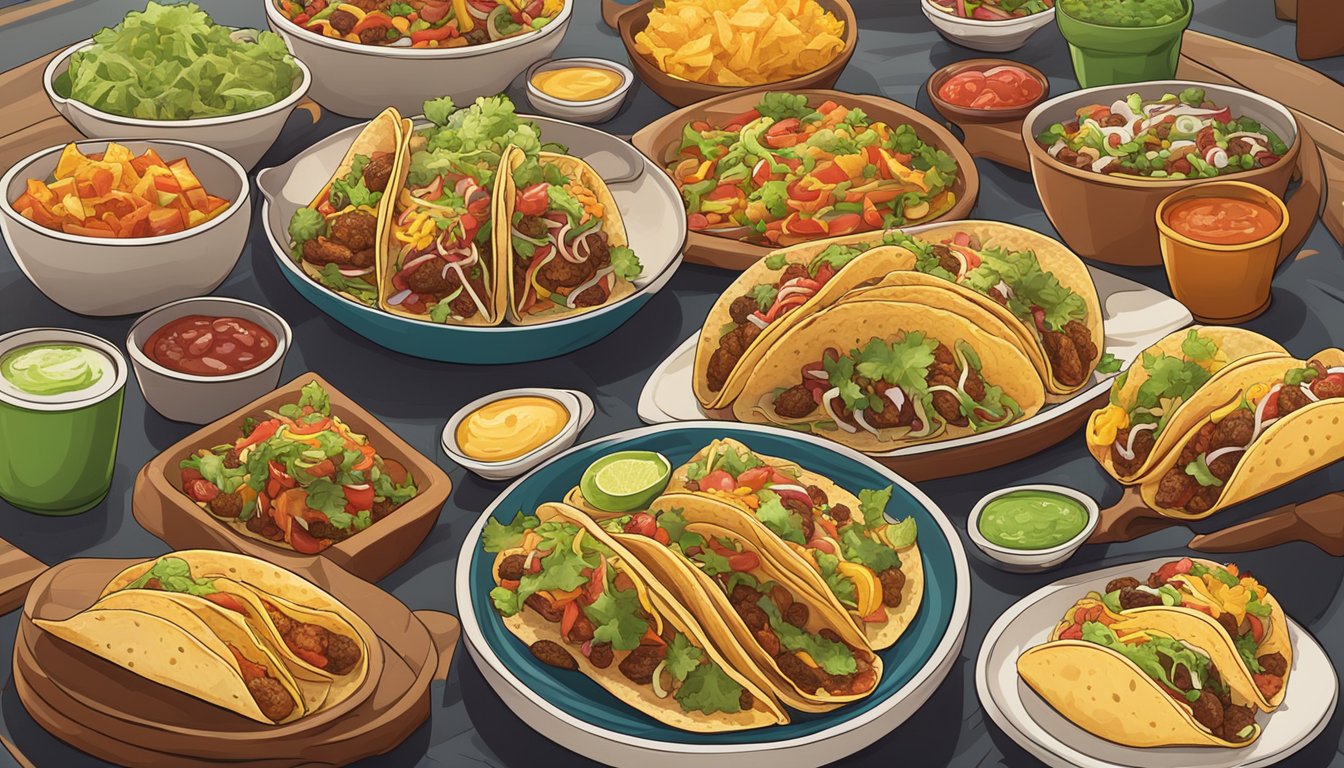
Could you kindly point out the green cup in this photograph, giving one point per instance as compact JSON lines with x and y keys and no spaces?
{"x":1104,"y":55}
{"x":57,"y":451}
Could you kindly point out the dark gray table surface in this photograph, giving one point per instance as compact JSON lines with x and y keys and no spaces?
{"x":470,"y":725}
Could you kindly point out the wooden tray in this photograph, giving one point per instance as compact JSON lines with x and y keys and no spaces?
{"x":102,"y":709}
{"x":630,"y":20}
{"x":659,"y":140}
{"x":164,"y":510}
{"x":1320,"y":162}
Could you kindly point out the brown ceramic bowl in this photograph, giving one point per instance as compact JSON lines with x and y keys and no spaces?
{"x":1112,"y":219}
{"x":630,"y":20}
{"x":660,"y":140}
{"x":110,"y":712}
{"x":963,"y":115}
{"x":166,"y":511}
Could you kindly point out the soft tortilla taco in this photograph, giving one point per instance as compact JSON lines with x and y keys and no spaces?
{"x":782,"y":618}
{"x":843,"y":544}
{"x":771,"y":296}
{"x":1136,"y":685}
{"x":1221,"y":609}
{"x":562,"y":242}
{"x":881,"y":375}
{"x":217,"y":659}
{"x":441,"y":263}
{"x":591,"y":606}
{"x":1148,"y":410}
{"x":338,"y":239}
{"x":1257,"y":426}
{"x":316,"y":637}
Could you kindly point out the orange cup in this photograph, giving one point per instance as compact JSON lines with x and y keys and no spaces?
{"x":1222,"y":283}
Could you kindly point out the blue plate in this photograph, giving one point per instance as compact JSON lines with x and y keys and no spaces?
{"x":927,"y":647}
{"x":648,"y":201}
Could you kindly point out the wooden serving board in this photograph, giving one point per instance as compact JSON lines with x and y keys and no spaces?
{"x":107,"y":711}
{"x":30,"y":123}
{"x":1316,"y":101}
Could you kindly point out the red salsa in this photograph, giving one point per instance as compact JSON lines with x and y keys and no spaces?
{"x":1001,"y":87}
{"x":1222,"y":220}
{"x":210,"y":346}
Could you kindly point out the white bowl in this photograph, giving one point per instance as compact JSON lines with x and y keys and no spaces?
{"x":578,"y":404}
{"x":1032,"y":560}
{"x":245,"y":136}
{"x":591,"y":111}
{"x":202,"y":399}
{"x":121,"y":276}
{"x":991,"y":36}
{"x":360,"y":80}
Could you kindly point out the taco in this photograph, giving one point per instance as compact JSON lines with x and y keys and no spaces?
{"x":561,"y":238}
{"x":781,"y":617}
{"x":1221,"y":609}
{"x":879,"y":375}
{"x":1148,"y":412}
{"x":318,"y":639}
{"x":1258,"y":425}
{"x":870,"y":566}
{"x":770,"y":297}
{"x":216,"y":658}
{"x":583,"y":602}
{"x":1137,"y":685}
{"x":338,"y":239}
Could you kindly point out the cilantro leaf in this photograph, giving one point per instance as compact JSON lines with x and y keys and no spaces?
{"x":1199,"y":469}
{"x":682,"y":657}
{"x":776,"y":261}
{"x":615,"y":617}
{"x":780,"y":106}
{"x":507,"y":601}
{"x":306,"y":224}
{"x":1108,"y":363}
{"x":774,"y":195}
{"x":735,"y":464}
{"x":314,"y":396}
{"x":764,"y":294}
{"x":837,"y":256}
{"x":863,"y":550}
{"x":904,"y":363}
{"x":1196,"y":347}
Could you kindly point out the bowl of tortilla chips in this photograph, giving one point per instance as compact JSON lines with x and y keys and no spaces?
{"x":786,"y":44}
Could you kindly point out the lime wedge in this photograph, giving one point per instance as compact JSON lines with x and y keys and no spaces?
{"x":625,"y":481}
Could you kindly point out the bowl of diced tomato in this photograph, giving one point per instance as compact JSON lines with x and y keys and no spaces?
{"x":114,"y":228}
{"x":994,"y":26}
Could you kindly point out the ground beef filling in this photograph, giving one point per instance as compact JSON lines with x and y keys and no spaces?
{"x":1178,"y":489}
{"x":562,"y":276}
{"x":271,"y":696}
{"x":350,"y":243}
{"x":314,"y":643}
{"x":1070,"y":351}
{"x":733,"y":344}
{"x":746,"y":603}
{"x":1142,"y":448}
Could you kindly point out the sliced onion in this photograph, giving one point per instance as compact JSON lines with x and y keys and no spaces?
{"x":1336,"y":369}
{"x":1128,"y":450}
{"x":759,"y":323}
{"x":1100,"y":163}
{"x":399,"y":297}
{"x":1054,"y":149}
{"x":816,"y":374}
{"x":897,"y":397}
{"x":574,"y":294}
{"x":583,"y":240}
{"x":356,"y":272}
{"x":657,"y":682}
{"x":1306,"y":390}
{"x":527,"y":563}
{"x":417,"y":261}
{"x":789,"y":487}
{"x":826,"y":399}
{"x":792,"y":290}
{"x":858,"y":416}
{"x":1221,"y":452}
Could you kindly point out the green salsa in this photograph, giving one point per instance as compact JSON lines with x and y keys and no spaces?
{"x":1125,"y":13}
{"x":1030,"y":519}
{"x":53,"y":369}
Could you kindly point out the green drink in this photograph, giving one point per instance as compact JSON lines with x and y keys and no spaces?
{"x":1123,"y":41}
{"x":60,"y":415}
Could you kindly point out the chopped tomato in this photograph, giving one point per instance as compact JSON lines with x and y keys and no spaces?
{"x":830,"y":173}
{"x":323,"y":468}
{"x":755,"y":478}
{"x":743,"y":562}
{"x":718,"y":480}
{"x":1257,"y":628}
{"x":843,"y":224}
{"x":798,"y":192}
{"x":201,"y":490}
{"x":797,"y":225}
{"x":1269,"y":685}
{"x":568,"y":618}
{"x":662,"y":536}
{"x":697,"y":221}
{"x":1171,"y":569}
{"x":227,"y":601}
{"x":641,"y":524}
{"x":358,"y":497}
{"x":534,"y":200}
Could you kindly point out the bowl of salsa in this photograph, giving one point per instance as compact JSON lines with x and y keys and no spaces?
{"x":1220,"y":244}
{"x":199,"y":359}
{"x":1030,"y":528}
{"x":988,"y":25}
{"x":987,"y":90}
{"x":1123,"y":41}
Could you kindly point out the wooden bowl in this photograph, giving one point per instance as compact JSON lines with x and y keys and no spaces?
{"x":163,"y":509}
{"x":630,"y":20}
{"x":109,"y":712}
{"x":1112,"y":219}
{"x":660,"y":140}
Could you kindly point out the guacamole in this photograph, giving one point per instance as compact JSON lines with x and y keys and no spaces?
{"x":1125,"y":13}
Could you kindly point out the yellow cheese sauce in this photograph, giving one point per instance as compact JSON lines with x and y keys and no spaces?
{"x":511,"y":427}
{"x":577,"y":83}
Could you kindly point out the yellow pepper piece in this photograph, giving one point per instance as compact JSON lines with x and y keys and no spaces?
{"x":464,"y":21}
{"x":866,"y":586}
{"x":1105,"y":424}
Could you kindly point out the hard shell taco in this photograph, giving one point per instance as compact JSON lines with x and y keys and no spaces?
{"x":880,"y":375}
{"x":1149,"y":407}
{"x":770,"y":297}
{"x":1255,"y":427}
{"x":318,"y":639}
{"x":1219,"y":608}
{"x":790,"y":628}
{"x":1137,"y":685}
{"x":560,"y":237}
{"x":841,"y":544}
{"x":216,"y":658}
{"x":338,"y":239}
{"x":581,"y":601}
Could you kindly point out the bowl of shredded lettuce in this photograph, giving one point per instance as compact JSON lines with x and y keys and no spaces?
{"x":171,"y":71}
